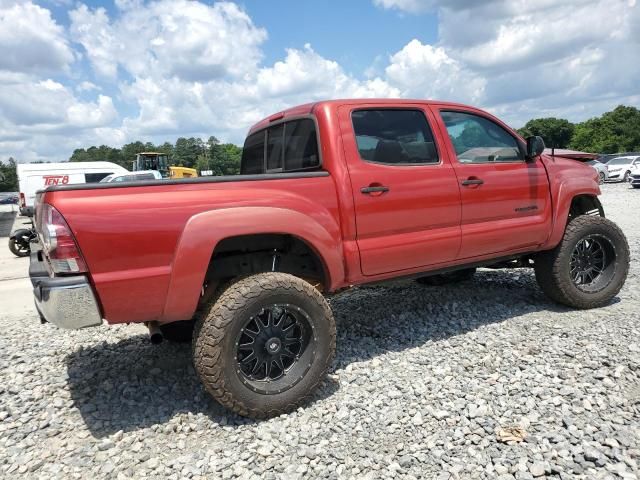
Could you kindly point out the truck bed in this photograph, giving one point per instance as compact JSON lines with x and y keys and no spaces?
{"x":128,"y":232}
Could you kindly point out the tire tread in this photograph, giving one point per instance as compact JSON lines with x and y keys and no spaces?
{"x":209,"y":333}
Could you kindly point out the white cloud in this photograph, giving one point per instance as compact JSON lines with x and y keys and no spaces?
{"x":229,"y":107}
{"x":30,"y":40}
{"x":49,"y":106}
{"x":86,"y":86}
{"x":189,"y":40}
{"x":183,"y":68}
{"x":40,"y":119}
{"x":537,"y":56}
{"x":425,"y":71}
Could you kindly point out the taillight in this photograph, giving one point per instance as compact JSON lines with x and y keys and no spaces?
{"x":58,"y":242}
{"x":23,"y":201}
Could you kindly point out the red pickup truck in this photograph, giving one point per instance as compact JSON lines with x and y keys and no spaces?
{"x":331,"y":195}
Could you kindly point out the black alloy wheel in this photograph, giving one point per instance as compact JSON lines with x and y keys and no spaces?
{"x":592,"y":263}
{"x":265,"y":344}
{"x":588,"y":267}
{"x":270,"y":347}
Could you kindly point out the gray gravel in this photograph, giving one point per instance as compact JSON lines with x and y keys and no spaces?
{"x":486,"y":379}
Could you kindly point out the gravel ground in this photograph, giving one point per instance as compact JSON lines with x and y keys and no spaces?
{"x":486,"y":379}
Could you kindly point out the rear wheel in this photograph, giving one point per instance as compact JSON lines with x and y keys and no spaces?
{"x":19,"y":248}
{"x":265,"y":345}
{"x":626,"y":176}
{"x":450,"y":277}
{"x":601,"y":177}
{"x":590,"y":265}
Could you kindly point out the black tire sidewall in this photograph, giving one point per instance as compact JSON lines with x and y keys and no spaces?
{"x":621,"y":261}
{"x":13,"y":246}
{"x":228,"y":386}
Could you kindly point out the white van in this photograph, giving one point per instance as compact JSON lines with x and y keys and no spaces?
{"x":37,"y":176}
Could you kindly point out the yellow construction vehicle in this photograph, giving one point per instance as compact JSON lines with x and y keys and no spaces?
{"x":160,"y":162}
{"x":182,"y":172}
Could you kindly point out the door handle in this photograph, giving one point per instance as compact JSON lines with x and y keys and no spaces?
{"x":374,"y":189}
{"x":472,"y":181}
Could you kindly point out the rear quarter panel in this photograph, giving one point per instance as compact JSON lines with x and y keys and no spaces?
{"x":129,"y":236}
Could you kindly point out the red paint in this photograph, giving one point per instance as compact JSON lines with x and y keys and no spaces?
{"x":147,"y":248}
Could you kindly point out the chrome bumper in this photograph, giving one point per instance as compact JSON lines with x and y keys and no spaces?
{"x":66,"y":302}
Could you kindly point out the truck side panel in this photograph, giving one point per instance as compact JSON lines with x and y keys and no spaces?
{"x":205,"y":230}
{"x":128,"y":236}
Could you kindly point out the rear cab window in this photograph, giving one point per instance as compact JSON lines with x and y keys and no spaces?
{"x":289,"y":146}
{"x":394,"y":137}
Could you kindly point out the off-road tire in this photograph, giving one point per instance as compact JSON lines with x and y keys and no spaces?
{"x":553,"y":272}
{"x":214,"y":348}
{"x":450,"y":277}
{"x":178,"y":332}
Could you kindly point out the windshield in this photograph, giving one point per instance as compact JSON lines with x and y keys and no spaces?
{"x":620,"y":161}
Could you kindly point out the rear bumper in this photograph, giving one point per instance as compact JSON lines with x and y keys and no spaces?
{"x":66,"y":302}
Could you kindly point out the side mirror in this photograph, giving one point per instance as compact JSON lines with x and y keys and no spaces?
{"x":535,"y":146}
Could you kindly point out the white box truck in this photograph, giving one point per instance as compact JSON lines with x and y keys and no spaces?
{"x":37,"y":176}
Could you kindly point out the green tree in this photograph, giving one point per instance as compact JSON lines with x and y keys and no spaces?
{"x":613,"y":132}
{"x":129,"y":152}
{"x":8,"y":176}
{"x":556,"y":132}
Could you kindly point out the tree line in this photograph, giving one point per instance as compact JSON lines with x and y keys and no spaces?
{"x":616,"y":131}
{"x":220,"y":158}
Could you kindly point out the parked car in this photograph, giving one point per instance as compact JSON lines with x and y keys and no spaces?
{"x":132,"y":176}
{"x":8,"y":198}
{"x":36,"y":176}
{"x":604,"y":158}
{"x":332,"y":194}
{"x":634,"y":176}
{"x":620,"y":167}
{"x":601,"y":168}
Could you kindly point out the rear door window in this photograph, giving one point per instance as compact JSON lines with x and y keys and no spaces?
{"x":394,"y":137}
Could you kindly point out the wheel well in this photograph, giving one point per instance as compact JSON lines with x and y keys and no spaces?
{"x":248,"y":254}
{"x":585,"y":205}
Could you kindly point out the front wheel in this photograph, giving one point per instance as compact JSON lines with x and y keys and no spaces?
{"x":601,"y":177}
{"x":265,"y":345}
{"x":626,"y":176}
{"x":589,"y":266}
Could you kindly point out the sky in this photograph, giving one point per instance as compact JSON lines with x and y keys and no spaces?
{"x":78,"y":73}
